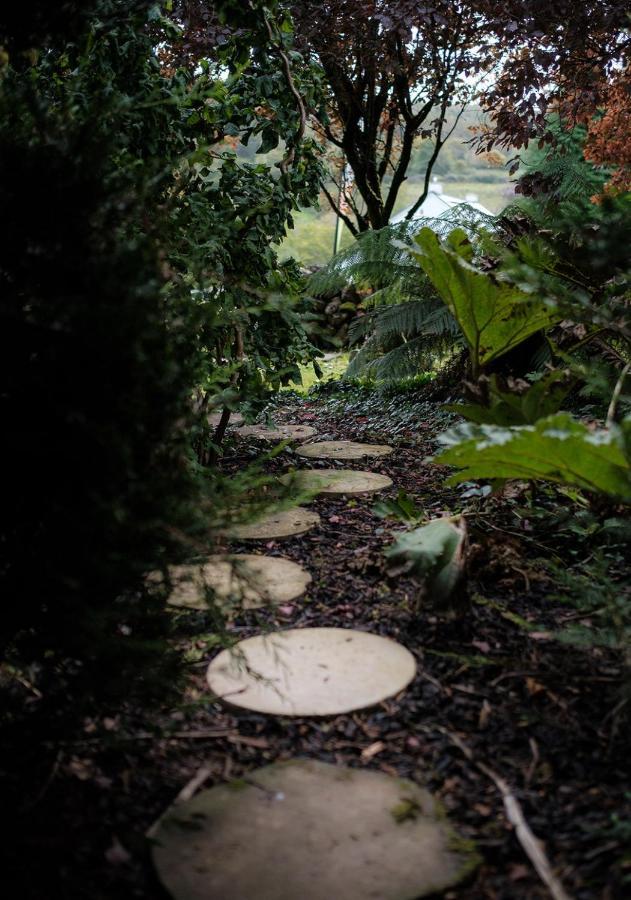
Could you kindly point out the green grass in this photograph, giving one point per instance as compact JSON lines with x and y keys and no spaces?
{"x":332,"y":368}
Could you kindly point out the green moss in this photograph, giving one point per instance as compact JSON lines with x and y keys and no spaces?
{"x":405,"y":810}
{"x":238,"y":784}
{"x":467,"y":849}
{"x":475,"y":659}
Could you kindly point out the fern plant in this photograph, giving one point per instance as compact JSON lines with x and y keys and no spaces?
{"x":558,"y":174}
{"x":406,"y":326}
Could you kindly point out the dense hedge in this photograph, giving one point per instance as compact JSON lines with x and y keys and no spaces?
{"x":96,"y":383}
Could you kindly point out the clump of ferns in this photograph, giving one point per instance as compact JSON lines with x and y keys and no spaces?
{"x":405,"y":327}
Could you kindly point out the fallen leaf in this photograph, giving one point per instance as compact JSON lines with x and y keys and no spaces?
{"x":485,"y":715}
{"x":518,"y":872}
{"x":116,"y":855}
{"x":373,"y":750}
{"x":534,"y":687}
{"x":482,"y":809}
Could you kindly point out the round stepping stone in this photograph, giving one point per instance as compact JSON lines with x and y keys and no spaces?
{"x":246,"y":580}
{"x":311,"y":671}
{"x":337,"y":482}
{"x":309,"y":830}
{"x":343,"y":450}
{"x":278,"y":433}
{"x":235,"y":419}
{"x":283,"y":524}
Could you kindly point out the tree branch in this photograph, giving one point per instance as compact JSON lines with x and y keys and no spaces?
{"x":338,"y":212}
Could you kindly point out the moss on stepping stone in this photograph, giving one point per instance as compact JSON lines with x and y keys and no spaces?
{"x":283,"y":524}
{"x":247,"y":580}
{"x":307,"y":830}
{"x":343,"y":450}
{"x":311,"y":671}
{"x":337,"y":482}
{"x":277,"y":433}
{"x":215,"y":418}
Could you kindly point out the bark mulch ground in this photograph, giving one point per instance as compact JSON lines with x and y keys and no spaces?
{"x":491,"y":679}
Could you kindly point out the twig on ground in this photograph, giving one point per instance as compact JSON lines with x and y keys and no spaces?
{"x":191,"y":787}
{"x":188,"y":791}
{"x":531,"y":846}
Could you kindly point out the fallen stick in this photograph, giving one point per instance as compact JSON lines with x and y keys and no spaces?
{"x":191,"y":786}
{"x":530,"y":844}
{"x":185,"y":794}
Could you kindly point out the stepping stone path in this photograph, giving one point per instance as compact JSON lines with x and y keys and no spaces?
{"x":343,"y":450}
{"x":311,"y":671}
{"x":337,"y":482}
{"x":243,"y":580}
{"x":278,"y":525}
{"x":278,"y":433}
{"x":306,"y":830}
{"x":303,"y":829}
{"x":235,"y":419}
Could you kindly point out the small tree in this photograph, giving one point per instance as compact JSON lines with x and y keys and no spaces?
{"x":393,"y":71}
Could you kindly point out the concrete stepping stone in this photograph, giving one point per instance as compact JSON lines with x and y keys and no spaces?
{"x":277,"y":433}
{"x":235,"y":419}
{"x":343,"y":450}
{"x":277,"y":525}
{"x":307,"y":830}
{"x":311,"y":671}
{"x":337,"y":482}
{"x":243,"y":580}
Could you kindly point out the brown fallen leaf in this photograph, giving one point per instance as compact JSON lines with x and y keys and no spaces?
{"x":534,"y":687}
{"x":518,"y":871}
{"x":116,"y":855}
{"x":485,"y":715}
{"x":373,"y":750}
{"x":482,"y":809}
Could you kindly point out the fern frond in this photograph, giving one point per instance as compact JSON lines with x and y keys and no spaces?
{"x":405,"y":325}
{"x":400,"y":362}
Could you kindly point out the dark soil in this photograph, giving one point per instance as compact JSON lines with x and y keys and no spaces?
{"x":544,"y":716}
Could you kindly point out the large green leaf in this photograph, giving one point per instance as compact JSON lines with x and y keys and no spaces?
{"x":557,"y":448}
{"x":494,"y":316}
{"x":435,"y":551}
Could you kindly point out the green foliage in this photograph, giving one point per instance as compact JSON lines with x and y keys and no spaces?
{"x":577,"y":260}
{"x":406,"y":327}
{"x":96,"y":383}
{"x":436,"y":552}
{"x":402,"y":508}
{"x":137,"y":273}
{"x":519,"y":403}
{"x":605,"y":603}
{"x":494,"y":316}
{"x":557,"y":448}
{"x":559,"y":173}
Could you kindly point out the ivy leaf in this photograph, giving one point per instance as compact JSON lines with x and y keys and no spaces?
{"x":557,"y":448}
